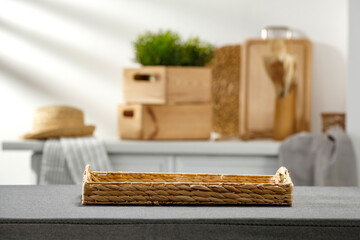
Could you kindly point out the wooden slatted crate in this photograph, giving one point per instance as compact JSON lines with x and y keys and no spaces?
{"x":164,"y":122}
{"x":167,"y":85}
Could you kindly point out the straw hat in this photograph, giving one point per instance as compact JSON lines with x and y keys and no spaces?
{"x":58,"y":121}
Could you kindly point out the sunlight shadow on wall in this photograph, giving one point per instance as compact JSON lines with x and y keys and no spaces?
{"x":88,"y":19}
{"x":54,"y":92}
{"x":71,"y":55}
{"x":28,"y":79}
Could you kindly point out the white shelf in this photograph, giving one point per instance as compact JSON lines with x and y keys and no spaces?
{"x":249,"y":148}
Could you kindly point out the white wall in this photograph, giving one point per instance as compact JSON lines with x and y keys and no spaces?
{"x":73,"y":52}
{"x":353,"y":86}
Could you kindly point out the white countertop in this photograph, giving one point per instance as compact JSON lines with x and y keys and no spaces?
{"x":233,"y":147}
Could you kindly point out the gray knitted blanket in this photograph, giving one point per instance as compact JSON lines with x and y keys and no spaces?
{"x":64,"y":159}
{"x":320,"y":159}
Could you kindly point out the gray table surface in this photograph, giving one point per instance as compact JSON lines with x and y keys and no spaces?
{"x":334,"y":208}
{"x":63,"y":202}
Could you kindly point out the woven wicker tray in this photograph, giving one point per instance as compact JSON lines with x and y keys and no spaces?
{"x":182,"y":189}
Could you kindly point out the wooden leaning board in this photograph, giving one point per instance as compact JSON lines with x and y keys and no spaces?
{"x":257,"y":94}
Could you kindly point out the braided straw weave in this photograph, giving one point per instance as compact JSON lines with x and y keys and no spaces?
{"x":182,"y":189}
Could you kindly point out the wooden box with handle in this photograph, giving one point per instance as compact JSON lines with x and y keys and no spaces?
{"x":164,"y":122}
{"x":167,"y":85}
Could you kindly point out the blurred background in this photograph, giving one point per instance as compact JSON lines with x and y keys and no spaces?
{"x":73,"y":52}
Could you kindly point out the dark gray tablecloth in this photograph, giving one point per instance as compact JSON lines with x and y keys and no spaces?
{"x":54,"y":212}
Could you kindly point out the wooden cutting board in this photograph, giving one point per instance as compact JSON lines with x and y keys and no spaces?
{"x":257,"y":94}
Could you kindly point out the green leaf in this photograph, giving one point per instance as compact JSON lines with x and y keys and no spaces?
{"x":166,"y":48}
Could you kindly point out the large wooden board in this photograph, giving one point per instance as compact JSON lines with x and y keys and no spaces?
{"x":257,"y":94}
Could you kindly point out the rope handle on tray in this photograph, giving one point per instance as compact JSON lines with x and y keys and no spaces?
{"x":87,"y":174}
{"x":282,"y":176}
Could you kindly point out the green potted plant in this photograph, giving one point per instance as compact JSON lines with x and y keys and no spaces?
{"x":172,"y":70}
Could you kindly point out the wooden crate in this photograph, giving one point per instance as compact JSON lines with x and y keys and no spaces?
{"x":257,"y":95}
{"x":167,"y":85}
{"x":161,"y":122}
{"x":332,"y":119}
{"x":186,"y":189}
